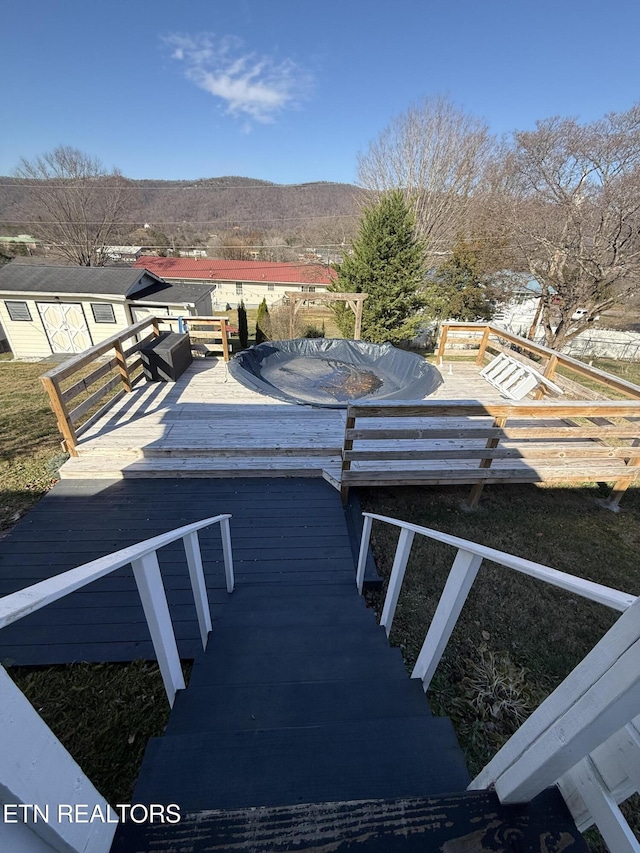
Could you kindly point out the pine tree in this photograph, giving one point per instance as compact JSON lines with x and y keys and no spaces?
{"x":387,"y":262}
{"x":243,"y":327}
{"x":460,"y":289}
{"x":262,"y":323}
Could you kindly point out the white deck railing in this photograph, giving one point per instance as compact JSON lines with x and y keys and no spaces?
{"x":585,"y":737}
{"x":36,"y":770}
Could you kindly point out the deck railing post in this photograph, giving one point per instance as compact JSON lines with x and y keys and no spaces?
{"x":444,"y":330}
{"x":65,"y":424}
{"x":225,"y":531}
{"x":364,"y":550}
{"x":122,"y":366}
{"x":397,"y":576}
{"x":492,"y":443}
{"x":154,"y":602}
{"x":461,"y":577}
{"x":198,"y":584}
{"x":483,"y":345}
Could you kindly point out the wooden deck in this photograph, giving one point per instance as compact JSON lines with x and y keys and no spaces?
{"x":208,"y":424}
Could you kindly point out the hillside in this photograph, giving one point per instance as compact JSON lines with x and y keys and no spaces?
{"x":323,"y":211}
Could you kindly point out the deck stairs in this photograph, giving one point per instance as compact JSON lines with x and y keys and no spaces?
{"x":300,"y":730}
{"x":195,"y":441}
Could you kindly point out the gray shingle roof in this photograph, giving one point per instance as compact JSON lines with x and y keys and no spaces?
{"x":114,"y":281}
{"x":137,"y":284}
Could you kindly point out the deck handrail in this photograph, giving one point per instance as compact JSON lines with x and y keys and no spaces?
{"x":594,"y":708}
{"x":53,"y":776}
{"x":483,"y":333}
{"x":146,"y":570}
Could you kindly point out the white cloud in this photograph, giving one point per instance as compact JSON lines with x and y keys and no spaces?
{"x":253,"y":86}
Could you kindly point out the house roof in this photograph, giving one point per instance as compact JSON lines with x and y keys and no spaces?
{"x":213,"y":269}
{"x":138,"y":285}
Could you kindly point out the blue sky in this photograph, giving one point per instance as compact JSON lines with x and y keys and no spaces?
{"x":288,"y":90}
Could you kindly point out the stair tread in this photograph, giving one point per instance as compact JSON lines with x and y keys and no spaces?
{"x":473,"y":820}
{"x":414,"y":756}
{"x":267,"y":706}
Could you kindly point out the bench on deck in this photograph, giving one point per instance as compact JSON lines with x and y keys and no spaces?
{"x":465,"y":442}
{"x":514,"y":379}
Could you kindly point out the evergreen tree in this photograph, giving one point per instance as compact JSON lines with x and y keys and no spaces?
{"x":387,"y":262}
{"x":459,"y":289}
{"x":243,"y":326}
{"x":262,"y":323}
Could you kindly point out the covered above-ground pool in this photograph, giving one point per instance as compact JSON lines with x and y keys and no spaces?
{"x":326,"y":372}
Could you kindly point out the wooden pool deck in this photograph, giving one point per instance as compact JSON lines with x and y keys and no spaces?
{"x":207,"y":424}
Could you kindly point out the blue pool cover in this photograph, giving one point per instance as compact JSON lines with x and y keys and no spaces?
{"x":332,"y":373}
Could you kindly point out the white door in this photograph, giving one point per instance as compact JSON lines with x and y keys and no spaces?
{"x":65,"y":325}
{"x":140,"y":312}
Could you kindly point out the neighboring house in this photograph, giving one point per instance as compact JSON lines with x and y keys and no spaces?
{"x":25,"y":241}
{"x":251,"y":281}
{"x":124,"y":254}
{"x":55,"y":309}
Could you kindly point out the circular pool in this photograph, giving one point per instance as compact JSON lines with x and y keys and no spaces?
{"x":333,"y":373}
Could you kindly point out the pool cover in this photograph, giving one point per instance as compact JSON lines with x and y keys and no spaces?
{"x":332,"y":373}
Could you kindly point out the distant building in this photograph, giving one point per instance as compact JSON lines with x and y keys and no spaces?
{"x":124,"y":254}
{"x":251,"y":281}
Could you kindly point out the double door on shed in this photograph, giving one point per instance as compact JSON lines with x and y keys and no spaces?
{"x":65,"y":325}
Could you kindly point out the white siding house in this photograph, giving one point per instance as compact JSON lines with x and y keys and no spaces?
{"x":231,"y":281}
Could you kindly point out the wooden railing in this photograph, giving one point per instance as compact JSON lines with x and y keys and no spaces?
{"x":451,"y":442}
{"x":585,"y":736}
{"x":488,"y":340}
{"x":71,"y":385}
{"x":205,"y":331}
{"x":51,"y":776}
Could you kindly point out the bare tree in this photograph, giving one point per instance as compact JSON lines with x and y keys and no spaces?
{"x":73,"y":204}
{"x":436,"y":154}
{"x":572,"y":193}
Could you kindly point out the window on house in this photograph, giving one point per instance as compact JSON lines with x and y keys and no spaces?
{"x":18,"y":310}
{"x":103,"y":313}
{"x":271,"y":287}
{"x":238,"y":288}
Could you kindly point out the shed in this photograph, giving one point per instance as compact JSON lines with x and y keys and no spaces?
{"x":57,"y":309}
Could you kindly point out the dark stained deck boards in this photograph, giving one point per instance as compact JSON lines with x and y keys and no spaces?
{"x":286,"y":533}
{"x":473,"y":822}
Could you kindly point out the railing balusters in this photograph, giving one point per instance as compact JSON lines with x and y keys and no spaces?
{"x":156,"y":609}
{"x":198,"y":584}
{"x":397,"y":576}
{"x":461,"y":577}
{"x":364,"y":550}
{"x":225,"y":532}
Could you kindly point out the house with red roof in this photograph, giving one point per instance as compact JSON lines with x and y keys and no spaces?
{"x":232,"y":281}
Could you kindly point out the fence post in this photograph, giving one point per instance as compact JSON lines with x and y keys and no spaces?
{"x":154,"y":602}
{"x":444,"y":330}
{"x":397,"y":576}
{"x":461,"y":577}
{"x":364,"y":550}
{"x":198,"y":584}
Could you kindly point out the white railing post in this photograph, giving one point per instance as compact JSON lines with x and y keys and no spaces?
{"x":461,"y":577}
{"x":397,"y":576}
{"x":198,"y":584}
{"x":603,"y":808}
{"x":36,"y":770}
{"x":364,"y":550}
{"x":154,"y":602}
{"x":225,"y":532}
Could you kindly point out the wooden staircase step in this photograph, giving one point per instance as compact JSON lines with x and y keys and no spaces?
{"x":119,"y":466}
{"x":219,"y":708}
{"x":456,"y":823}
{"x":413,"y":756}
